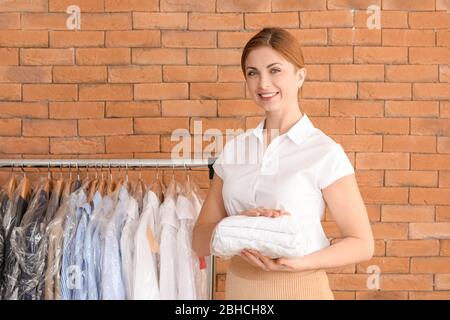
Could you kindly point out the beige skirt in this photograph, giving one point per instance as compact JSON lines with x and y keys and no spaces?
{"x":246,"y":282}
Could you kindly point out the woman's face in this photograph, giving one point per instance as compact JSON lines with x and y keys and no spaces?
{"x":272,"y":80}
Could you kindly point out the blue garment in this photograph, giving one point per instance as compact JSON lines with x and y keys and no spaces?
{"x":112,"y":282}
{"x":71,"y":271}
{"x":92,"y":247}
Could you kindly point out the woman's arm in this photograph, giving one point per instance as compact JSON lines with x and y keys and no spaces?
{"x":212,"y":212}
{"x":348,"y":209}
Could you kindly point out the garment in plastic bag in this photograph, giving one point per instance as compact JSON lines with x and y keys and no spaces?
{"x":29,"y":245}
{"x":12,"y":218}
{"x":273,"y":237}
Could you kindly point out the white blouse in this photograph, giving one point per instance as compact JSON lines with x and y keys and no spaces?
{"x":288,"y":175}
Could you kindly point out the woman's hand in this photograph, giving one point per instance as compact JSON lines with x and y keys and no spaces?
{"x":256,"y":259}
{"x":263,"y":212}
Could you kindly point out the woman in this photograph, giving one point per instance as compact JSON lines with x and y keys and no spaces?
{"x":298,"y":172}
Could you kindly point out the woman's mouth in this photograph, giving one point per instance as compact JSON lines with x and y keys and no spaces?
{"x":267,"y":96}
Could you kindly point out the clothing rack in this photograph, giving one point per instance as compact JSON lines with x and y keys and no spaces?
{"x":123,"y":163}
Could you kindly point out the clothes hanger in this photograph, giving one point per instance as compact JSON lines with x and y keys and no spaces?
{"x":101,"y":184}
{"x":111,"y":184}
{"x":26,"y":186}
{"x":12,"y":183}
{"x":92,"y":187}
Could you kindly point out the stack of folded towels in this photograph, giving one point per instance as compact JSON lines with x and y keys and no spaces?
{"x":272,"y":237}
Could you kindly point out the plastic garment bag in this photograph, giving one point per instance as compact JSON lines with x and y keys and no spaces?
{"x":12,"y":218}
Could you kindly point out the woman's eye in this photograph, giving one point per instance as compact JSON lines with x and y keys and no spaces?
{"x":274,"y":70}
{"x":250,"y":73}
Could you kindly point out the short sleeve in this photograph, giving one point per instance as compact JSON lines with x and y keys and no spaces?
{"x":335,"y":166}
{"x":218,"y":166}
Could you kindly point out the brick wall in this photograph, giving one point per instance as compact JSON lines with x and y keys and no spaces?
{"x":139,"y":69}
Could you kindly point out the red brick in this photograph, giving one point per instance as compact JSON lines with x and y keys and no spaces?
{"x":444,"y":109}
{"x":70,"y":39}
{"x":44,"y":21}
{"x":159,"y":125}
{"x":445,"y":247}
{"x":408,"y":38}
{"x":243,"y":6}
{"x":428,"y":20}
{"x":381,"y":295}
{"x":444,"y":179}
{"x":76,"y":145}
{"x":310,"y":36}
{"x":237,"y":108}
{"x":106,"y":21}
{"x":217,"y":91}
{"x":442,"y":281}
{"x":386,"y":265}
{"x":105,"y":127}
{"x":266,"y":20}
{"x":233,"y":39}
{"x":132,"y":109}
{"x":390,"y":231}
{"x":408,"y":213}
{"x":76,"y":110}
{"x":9,"y":56}
{"x":317,"y":72}
{"x":412,"y":248}
{"x":188,"y":39}
{"x":46,"y":56}
{"x":34,"y":110}
{"x":444,"y":73}
{"x":359,"y":143}
{"x":160,"y":91}
{"x":294,"y":5}
{"x":55,"y":92}
{"x":100,"y":56}
{"x":157,"y":20}
{"x":314,"y":107}
{"x":79,"y":74}
{"x":443,"y":145}
{"x":136,"y":38}
{"x":382,"y":126}
{"x":24,"y":6}
{"x":357,"y":72}
{"x":133,"y":74}
{"x":221,"y":21}
{"x":230,"y":74}
{"x":412,"y":73}
{"x":18,"y":145}
{"x":439,"y":127}
{"x":21,"y":39}
{"x":214,"y":56}
{"x":442,"y":38}
{"x":131,"y":5}
{"x":430,"y":162}
{"x":383,"y":160}
{"x":412,"y":109}
{"x":342,"y":90}
{"x":406,"y":143}
{"x":407,"y":282}
{"x":134,"y":143}
{"x":429,"y":196}
{"x":357,"y":108}
{"x":10,"y":127}
{"x":158,"y":56}
{"x":430,"y":265}
{"x":442,"y":5}
{"x":189,"y":108}
{"x":25,"y":74}
{"x":189,"y":73}
{"x":383,"y":55}
{"x":225,"y":125}
{"x":372,"y":178}
{"x":392,"y":91}
{"x":437,"y":55}
{"x":326,"y":19}
{"x":85,"y":5}
{"x":431,"y":91}
{"x":410,"y":5}
{"x":9,"y":21}
{"x":49,"y":128}
{"x":329,"y":125}
{"x":389,"y":19}
{"x":105,"y":92}
{"x":187,"y":6}
{"x":347,"y":36}
{"x":429,"y":295}
{"x":335,"y":54}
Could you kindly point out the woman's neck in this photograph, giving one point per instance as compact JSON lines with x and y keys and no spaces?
{"x":282,"y":121}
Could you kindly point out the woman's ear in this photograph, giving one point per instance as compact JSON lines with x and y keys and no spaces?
{"x":301,"y":75}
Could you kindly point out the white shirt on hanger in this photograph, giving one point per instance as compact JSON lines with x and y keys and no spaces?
{"x":288,"y":175}
{"x":146,"y":286}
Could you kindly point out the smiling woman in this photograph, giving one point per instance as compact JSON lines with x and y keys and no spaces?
{"x":299,"y":172}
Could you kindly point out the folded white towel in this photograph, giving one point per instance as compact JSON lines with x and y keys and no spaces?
{"x":273,"y":237}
